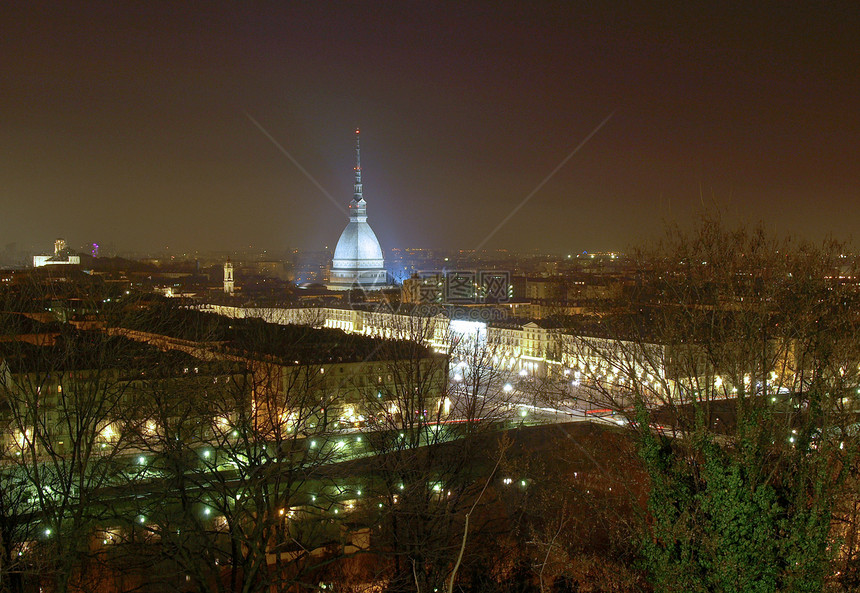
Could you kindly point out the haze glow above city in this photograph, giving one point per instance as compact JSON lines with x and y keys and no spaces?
{"x":132,"y":125}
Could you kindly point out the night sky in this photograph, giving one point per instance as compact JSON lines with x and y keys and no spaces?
{"x":127,"y":124}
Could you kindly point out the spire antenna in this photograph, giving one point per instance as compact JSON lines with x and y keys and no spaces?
{"x":356,"y":196}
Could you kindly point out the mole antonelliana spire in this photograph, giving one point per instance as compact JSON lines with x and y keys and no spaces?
{"x":357,"y":261}
{"x":356,"y":195}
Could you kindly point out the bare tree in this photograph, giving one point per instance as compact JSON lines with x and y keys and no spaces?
{"x":576,"y":523}
{"x":744,"y":348}
{"x":243,"y":448}
{"x":64,"y":401}
{"x":433,"y":446}
{"x":16,"y":511}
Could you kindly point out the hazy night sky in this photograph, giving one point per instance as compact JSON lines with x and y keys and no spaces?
{"x":125,"y":124}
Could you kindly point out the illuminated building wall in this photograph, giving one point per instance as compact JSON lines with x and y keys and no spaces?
{"x":538,"y":349}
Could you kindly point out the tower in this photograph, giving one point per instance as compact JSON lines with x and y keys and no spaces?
{"x":357,"y":261}
{"x":228,"y":277}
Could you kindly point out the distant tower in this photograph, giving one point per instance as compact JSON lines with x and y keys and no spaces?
{"x":357,"y":261}
{"x":228,"y":278}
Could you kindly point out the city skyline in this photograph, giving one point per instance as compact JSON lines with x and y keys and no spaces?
{"x":143,"y":127}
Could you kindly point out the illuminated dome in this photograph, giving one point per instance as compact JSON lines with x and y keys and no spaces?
{"x":358,"y":245}
{"x":358,"y":261}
